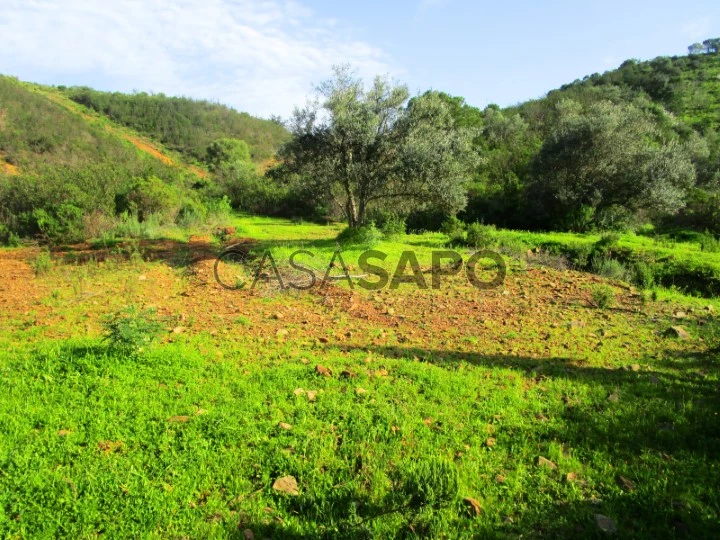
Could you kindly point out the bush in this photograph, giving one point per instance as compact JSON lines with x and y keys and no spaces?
{"x":452,"y":225}
{"x":608,"y":242}
{"x":457,"y":239}
{"x":604,"y":266}
{"x":580,"y":254}
{"x":603,"y":296}
{"x":365,"y":235}
{"x":709,"y":243}
{"x":131,"y":329}
{"x":151,"y":196}
{"x":393,"y":227}
{"x":42,"y":263}
{"x":643,"y":275}
{"x":481,"y":236}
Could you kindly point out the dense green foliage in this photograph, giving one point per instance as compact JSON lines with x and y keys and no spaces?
{"x":72,"y":178}
{"x":184,"y":124}
{"x":371,"y":148}
{"x":613,"y":151}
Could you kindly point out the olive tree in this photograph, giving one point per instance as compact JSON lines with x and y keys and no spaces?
{"x":374,"y":147}
{"x":608,"y":158}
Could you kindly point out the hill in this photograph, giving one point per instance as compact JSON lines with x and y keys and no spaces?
{"x":632,"y":146}
{"x":61,"y":164}
{"x":687,"y":86}
{"x":182,"y":124}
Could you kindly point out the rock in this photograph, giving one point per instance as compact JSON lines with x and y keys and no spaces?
{"x":347,"y":374}
{"x":605,"y":524}
{"x":677,"y":332}
{"x":277,"y":316}
{"x":284,"y":425}
{"x":178,"y":330}
{"x":473,"y":506}
{"x":635,"y":367}
{"x":680,"y":315}
{"x":322,"y":370}
{"x":298,"y":391}
{"x":624,"y":483}
{"x":311,"y":395}
{"x":544,"y":462}
{"x":287,"y":484}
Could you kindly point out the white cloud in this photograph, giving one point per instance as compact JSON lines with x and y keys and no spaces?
{"x":262,"y":57}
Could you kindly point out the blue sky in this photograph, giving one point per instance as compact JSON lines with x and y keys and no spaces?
{"x":264,"y":56}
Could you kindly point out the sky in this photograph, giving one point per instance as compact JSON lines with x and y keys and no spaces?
{"x":265,"y":57}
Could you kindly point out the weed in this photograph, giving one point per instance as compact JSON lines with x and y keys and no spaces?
{"x":368,"y":235}
{"x":603,"y":296}
{"x":643,"y":275}
{"x":131,"y":329}
{"x":42,"y":263}
{"x":481,"y":236}
{"x":604,"y":266}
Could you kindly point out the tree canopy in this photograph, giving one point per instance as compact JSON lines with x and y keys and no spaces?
{"x":371,"y":147}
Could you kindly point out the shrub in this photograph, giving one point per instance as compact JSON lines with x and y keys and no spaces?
{"x":580,"y":254}
{"x":364,"y":235}
{"x":42,"y":263}
{"x":393,"y":227}
{"x":709,"y":243}
{"x":131,"y":328}
{"x":481,"y":236}
{"x":643,"y":275}
{"x":452,"y":225}
{"x":457,"y":239}
{"x":603,"y":296}
{"x":608,"y":241}
{"x":151,"y":196}
{"x":604,"y":266}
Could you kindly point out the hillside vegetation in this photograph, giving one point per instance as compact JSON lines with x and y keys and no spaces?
{"x":184,"y":124}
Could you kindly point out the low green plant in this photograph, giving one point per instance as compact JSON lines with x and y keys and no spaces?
{"x":604,"y":266}
{"x":365,"y":235}
{"x":452,"y":225}
{"x":709,"y":243}
{"x":603,"y":296}
{"x":393,"y":227}
{"x":132,"y":328}
{"x":42,"y":263}
{"x":643,"y":275}
{"x":481,"y":236}
{"x":429,"y":482}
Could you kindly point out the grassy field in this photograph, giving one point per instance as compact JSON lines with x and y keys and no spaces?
{"x":524,"y":410}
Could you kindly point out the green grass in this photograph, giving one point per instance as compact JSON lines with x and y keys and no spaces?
{"x":455,"y":394}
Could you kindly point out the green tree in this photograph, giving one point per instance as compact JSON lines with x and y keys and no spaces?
{"x":224,"y":152}
{"x":608,"y":158}
{"x":371,"y":147}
